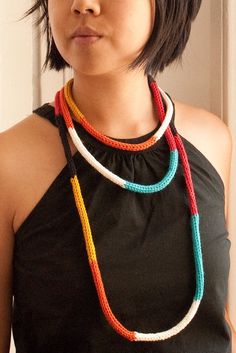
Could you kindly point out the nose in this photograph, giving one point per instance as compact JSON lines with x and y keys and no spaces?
{"x":86,"y":6}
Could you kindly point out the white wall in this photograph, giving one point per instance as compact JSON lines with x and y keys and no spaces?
{"x":199,"y":81}
{"x":15,"y":63}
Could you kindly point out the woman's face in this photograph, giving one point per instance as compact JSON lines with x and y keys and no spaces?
{"x":125,"y":26}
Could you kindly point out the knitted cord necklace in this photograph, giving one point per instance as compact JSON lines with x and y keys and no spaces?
{"x":140,"y":188}
{"x":91,"y":252}
{"x":67,"y":92}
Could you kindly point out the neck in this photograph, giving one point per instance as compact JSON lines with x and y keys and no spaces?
{"x":117,"y":105}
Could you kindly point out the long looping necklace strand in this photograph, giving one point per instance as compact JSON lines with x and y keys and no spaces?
{"x":135,"y":187}
{"x":105,"y":139}
{"x":91,"y":252}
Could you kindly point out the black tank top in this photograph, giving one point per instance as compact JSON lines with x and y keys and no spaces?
{"x":144,"y":249}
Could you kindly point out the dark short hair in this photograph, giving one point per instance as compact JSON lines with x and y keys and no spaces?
{"x":171,"y":30}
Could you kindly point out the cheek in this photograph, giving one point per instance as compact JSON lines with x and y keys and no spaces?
{"x":57,"y":20}
{"x":136,"y":24}
{"x":52,"y":12}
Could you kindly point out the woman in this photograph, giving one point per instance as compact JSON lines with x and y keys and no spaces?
{"x":154,"y":277}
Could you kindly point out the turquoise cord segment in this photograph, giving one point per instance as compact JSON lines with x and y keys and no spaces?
{"x":148,"y":189}
{"x":197,"y":257}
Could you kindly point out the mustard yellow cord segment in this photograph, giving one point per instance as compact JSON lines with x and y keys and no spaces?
{"x":84,"y":219}
{"x":72,"y":104}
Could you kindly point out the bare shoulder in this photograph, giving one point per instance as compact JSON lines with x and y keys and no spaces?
{"x":22,"y":143}
{"x":199,"y":123}
{"x":209,"y":134}
{"x":31,"y":154}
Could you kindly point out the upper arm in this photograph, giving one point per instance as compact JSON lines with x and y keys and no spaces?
{"x":223,"y":154}
{"x":6,"y":249}
{"x":224,"y":143}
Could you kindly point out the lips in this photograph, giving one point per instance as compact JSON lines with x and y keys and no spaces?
{"x":86,"y":32}
{"x":86,"y":39}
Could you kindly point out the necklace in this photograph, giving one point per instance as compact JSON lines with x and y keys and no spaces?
{"x":135,"y":187}
{"x":91,"y":251}
{"x":67,"y":92}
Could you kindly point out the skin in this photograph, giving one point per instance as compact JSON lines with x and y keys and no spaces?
{"x":100,"y":70}
{"x":115,"y":101}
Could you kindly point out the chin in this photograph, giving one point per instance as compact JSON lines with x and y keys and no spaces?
{"x":92,"y":70}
